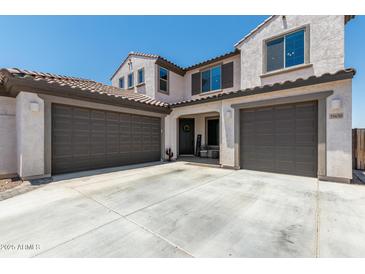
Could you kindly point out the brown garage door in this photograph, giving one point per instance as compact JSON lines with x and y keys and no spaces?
{"x":280,"y":139}
{"x":85,"y":139}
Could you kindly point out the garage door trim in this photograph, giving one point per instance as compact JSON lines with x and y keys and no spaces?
{"x":280,"y":138}
{"x":321,"y":97}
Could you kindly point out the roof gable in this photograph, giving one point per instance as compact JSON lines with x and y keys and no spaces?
{"x":347,"y":18}
{"x":133,"y":54}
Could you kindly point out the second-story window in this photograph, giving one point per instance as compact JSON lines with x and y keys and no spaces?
{"x":121,"y":82}
{"x":211,"y":79}
{"x":141,"y":76}
{"x":163,"y":75}
{"x":285,"y":51}
{"x":130,"y":80}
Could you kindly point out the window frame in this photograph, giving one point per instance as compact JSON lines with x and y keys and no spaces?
{"x":207,"y":119}
{"x":167,"y":81}
{"x":143,"y":76}
{"x":132,"y":86}
{"x":210,"y":78}
{"x":306,"y":29}
{"x":122,"y":79}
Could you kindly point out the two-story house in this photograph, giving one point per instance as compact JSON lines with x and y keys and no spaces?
{"x":279,"y":102}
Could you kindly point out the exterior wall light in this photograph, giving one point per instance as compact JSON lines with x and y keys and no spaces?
{"x":34,"y":107}
{"x":336,"y":104}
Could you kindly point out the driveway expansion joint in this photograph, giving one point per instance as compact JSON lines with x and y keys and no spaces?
{"x":129,"y":220}
{"x":177,"y":194}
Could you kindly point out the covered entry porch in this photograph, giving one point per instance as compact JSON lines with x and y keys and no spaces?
{"x":198,"y":137}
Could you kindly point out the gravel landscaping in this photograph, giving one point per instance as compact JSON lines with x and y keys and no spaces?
{"x":6,"y":184}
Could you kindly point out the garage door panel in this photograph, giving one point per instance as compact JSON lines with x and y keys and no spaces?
{"x":265,"y":140}
{"x":287,"y":167}
{"x":280,"y":139}
{"x":284,"y":126}
{"x":284,"y":153}
{"x":87,"y":139}
{"x":285,"y":140}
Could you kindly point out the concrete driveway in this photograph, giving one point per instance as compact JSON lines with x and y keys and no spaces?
{"x":184,"y":210}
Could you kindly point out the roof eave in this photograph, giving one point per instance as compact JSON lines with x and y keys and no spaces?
{"x":15,"y":85}
{"x":252,"y":32}
{"x":313,"y":80}
{"x":214,"y":60}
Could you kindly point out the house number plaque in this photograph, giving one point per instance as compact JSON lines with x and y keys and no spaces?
{"x":336,"y":115}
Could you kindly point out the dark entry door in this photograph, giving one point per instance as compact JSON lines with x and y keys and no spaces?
{"x":84,"y":138}
{"x":186,"y":136}
{"x":280,"y":139}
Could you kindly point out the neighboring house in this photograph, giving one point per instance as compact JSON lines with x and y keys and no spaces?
{"x":279,"y":102}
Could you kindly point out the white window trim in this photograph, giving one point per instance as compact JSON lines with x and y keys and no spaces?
{"x":167,"y":81}
{"x":132,"y":86}
{"x":142,"y":82}
{"x":210,"y":79}
{"x":306,"y":29}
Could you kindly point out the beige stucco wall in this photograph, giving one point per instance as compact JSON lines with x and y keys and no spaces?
{"x":326,"y":42}
{"x":176,"y":88}
{"x":138,"y":62}
{"x":150,"y":87}
{"x":30,"y":135}
{"x":338,"y":135}
{"x":7,"y":136}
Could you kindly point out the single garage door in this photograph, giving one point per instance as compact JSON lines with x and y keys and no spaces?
{"x":280,"y":139}
{"x":85,"y":139}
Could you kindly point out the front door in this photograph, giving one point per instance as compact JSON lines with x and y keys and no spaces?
{"x":186,"y":136}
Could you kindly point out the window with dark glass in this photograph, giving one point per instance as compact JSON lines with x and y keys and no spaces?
{"x":141,"y":76}
{"x":213,"y":132}
{"x":286,"y":51}
{"x":163,"y":79}
{"x":206,"y":81}
{"x":294,"y":49}
{"x":211,"y":79}
{"x":130,"y":80}
{"x":121,"y":82}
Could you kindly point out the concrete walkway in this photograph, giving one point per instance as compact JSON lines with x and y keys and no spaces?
{"x":184,"y":210}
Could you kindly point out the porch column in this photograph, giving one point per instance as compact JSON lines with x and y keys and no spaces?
{"x":227,"y":142}
{"x":171,"y":135}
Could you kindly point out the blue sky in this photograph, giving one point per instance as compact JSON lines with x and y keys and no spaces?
{"x":93,"y":46}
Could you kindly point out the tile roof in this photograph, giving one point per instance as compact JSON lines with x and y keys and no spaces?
{"x":148,"y":55}
{"x":172,"y":66}
{"x":81,"y":84}
{"x":214,"y":59}
{"x":326,"y":77}
{"x":2,"y":78}
{"x":91,"y":86}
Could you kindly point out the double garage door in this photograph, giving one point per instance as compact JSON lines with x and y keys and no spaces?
{"x":280,"y":139}
{"x":84,"y":139}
